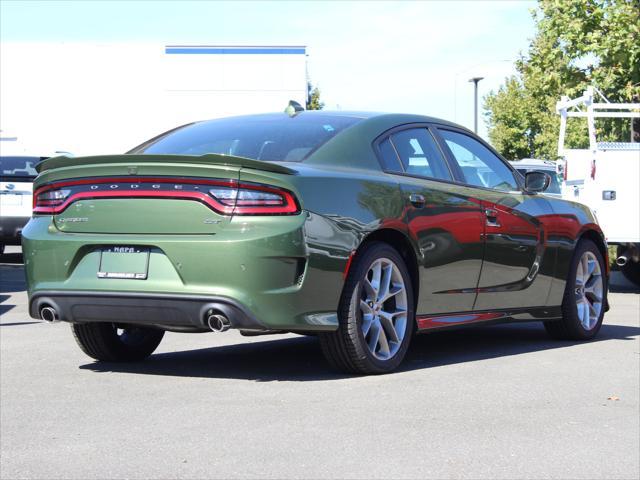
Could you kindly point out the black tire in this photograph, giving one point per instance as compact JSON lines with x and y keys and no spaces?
{"x":570,"y":327}
{"x":346,"y":349}
{"x":103,"y":342}
{"x":1,"y":248}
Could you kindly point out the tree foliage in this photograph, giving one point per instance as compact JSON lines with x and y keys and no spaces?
{"x":313,"y":98}
{"x":578,"y":43}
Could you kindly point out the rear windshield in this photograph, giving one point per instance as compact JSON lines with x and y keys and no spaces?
{"x":554,"y":186}
{"x":274,"y":137}
{"x":15,"y":168}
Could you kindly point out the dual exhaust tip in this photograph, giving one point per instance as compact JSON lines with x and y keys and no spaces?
{"x":49,"y":314}
{"x":216,"y":322}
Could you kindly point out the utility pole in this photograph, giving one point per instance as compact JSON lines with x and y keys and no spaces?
{"x":475,"y":81}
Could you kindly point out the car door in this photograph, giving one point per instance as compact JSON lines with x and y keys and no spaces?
{"x":517,"y":266}
{"x":444,"y":223}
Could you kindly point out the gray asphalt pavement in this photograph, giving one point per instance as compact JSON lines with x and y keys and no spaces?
{"x":494,"y":402}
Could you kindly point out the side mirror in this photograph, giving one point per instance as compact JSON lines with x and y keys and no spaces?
{"x":536,"y":181}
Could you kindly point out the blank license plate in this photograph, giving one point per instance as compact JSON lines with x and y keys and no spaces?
{"x":124,"y":262}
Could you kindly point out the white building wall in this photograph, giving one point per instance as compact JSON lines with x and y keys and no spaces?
{"x":90,"y":99}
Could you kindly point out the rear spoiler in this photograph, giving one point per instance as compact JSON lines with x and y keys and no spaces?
{"x":207,"y":159}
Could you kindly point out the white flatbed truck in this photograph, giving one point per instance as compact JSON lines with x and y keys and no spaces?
{"x":606,"y":176}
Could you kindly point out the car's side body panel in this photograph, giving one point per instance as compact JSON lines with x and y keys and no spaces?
{"x":499,"y":315}
{"x":566,"y":225}
{"x":518,"y":263}
{"x":448,"y":232}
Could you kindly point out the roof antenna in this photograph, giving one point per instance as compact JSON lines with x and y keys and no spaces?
{"x":293,"y":108}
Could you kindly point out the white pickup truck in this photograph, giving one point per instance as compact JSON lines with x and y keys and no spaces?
{"x":605,"y":176}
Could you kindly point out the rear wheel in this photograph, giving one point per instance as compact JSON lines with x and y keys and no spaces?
{"x":376,"y":314}
{"x":111,"y":342}
{"x":584,"y":296}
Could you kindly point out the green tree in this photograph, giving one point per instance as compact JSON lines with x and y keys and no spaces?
{"x":577,"y":43}
{"x":313,"y":98}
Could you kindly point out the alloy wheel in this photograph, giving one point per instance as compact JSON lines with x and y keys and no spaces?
{"x":383,"y":305}
{"x":589,"y":290}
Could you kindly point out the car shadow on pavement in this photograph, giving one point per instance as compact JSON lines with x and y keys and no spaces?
{"x":300,"y":359}
{"x":12,"y":277}
{"x":14,"y":258}
{"x":4,"y":307}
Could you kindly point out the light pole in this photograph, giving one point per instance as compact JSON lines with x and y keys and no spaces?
{"x":475,"y":81}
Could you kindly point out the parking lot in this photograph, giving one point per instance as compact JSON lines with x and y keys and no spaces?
{"x":494,"y":402}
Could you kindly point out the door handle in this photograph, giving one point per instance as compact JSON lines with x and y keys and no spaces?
{"x":417,"y":200}
{"x":492,"y":217}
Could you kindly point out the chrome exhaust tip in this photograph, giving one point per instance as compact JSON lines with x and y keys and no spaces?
{"x":49,"y":314}
{"x":621,"y":261}
{"x":218,"y":323}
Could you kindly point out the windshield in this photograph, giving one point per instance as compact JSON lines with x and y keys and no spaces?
{"x":273,"y":137}
{"x":554,"y":186}
{"x":14,"y":168}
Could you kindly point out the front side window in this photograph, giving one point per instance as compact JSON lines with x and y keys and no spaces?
{"x":419,"y":154}
{"x":479,"y":165}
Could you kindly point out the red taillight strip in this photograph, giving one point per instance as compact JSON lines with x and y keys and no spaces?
{"x":201,"y":197}
{"x":290,"y":205}
{"x":102,"y":180}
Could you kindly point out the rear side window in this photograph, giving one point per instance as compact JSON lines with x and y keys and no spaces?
{"x":479,"y":165}
{"x":419,"y":154}
{"x":388,"y":157}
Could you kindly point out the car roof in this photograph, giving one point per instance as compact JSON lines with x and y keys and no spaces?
{"x":354,"y":142}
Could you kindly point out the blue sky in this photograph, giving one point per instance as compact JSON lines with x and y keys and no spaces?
{"x":382,"y":56}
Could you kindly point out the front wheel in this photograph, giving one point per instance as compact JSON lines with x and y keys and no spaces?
{"x":375,"y":314}
{"x":111,"y":342}
{"x":585,"y":296}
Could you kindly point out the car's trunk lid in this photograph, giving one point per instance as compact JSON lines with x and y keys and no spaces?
{"x":143,"y":194}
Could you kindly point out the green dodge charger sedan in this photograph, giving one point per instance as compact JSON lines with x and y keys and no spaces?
{"x":363,"y":229}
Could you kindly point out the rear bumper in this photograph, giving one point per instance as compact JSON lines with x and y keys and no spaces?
{"x":178,"y":312}
{"x":261,"y":274}
{"x":11,"y":229}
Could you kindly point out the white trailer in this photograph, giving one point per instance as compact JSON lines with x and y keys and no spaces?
{"x":112,"y":97}
{"x":606,"y":176}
